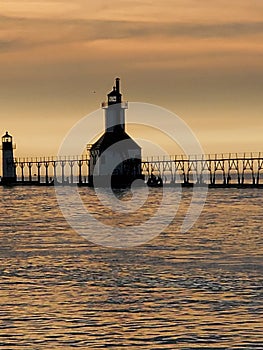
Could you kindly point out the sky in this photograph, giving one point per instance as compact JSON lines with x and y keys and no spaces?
{"x":200,"y":59}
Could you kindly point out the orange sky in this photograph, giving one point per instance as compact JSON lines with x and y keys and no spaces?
{"x":201,"y":59}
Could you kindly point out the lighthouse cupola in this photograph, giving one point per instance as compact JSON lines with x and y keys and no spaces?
{"x":9,"y":171}
{"x":7,"y":140}
{"x":115,"y":96}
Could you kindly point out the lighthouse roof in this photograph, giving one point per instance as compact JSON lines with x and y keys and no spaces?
{"x":109,"y":138}
{"x":6,"y":134}
{"x":114,"y":92}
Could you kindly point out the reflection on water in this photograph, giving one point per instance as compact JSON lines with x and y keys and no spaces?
{"x":197,"y":290}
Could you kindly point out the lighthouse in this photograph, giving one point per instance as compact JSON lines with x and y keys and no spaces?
{"x":9,"y":171}
{"x":115,"y":155}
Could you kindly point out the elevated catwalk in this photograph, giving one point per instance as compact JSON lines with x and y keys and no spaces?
{"x":217,"y":170}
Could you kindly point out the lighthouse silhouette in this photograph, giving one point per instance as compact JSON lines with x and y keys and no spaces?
{"x":115,"y":155}
{"x":9,"y":170}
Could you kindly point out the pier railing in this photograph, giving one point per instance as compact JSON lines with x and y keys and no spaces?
{"x":212,"y":169}
{"x":48,"y":170}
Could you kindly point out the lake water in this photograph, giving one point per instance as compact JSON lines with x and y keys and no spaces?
{"x":197,"y":290}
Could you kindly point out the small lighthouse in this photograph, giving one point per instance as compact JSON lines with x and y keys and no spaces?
{"x":9,"y":170}
{"x":115,"y":154}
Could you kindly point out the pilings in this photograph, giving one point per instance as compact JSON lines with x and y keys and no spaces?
{"x":218,"y":170}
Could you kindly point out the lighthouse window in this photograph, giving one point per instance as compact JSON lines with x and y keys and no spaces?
{"x":112,"y":99}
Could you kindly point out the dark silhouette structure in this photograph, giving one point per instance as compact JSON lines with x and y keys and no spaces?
{"x":115,"y":156}
{"x":232,"y":170}
{"x":115,"y":160}
{"x":8,"y":165}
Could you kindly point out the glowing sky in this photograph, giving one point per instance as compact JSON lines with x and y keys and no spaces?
{"x":201,"y":59}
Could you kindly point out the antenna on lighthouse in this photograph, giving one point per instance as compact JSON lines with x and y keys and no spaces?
{"x":118,"y":85}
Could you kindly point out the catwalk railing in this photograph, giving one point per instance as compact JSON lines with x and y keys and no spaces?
{"x":50,"y":170}
{"x":212,"y":169}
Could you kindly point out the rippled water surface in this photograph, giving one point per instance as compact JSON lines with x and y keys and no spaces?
{"x":196,"y":290}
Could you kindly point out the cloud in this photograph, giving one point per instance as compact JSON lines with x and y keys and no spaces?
{"x":214,"y":30}
{"x":31,"y":32}
{"x":7,"y":45}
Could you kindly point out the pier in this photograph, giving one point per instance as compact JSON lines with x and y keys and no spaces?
{"x":213,"y":170}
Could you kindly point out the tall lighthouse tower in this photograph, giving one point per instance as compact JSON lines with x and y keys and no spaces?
{"x":9,"y":172}
{"x":115,"y":155}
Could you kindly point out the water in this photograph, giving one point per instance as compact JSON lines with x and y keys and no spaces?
{"x":198,"y":290}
